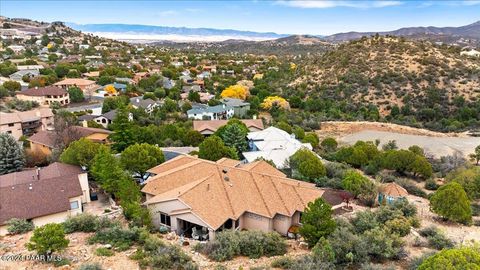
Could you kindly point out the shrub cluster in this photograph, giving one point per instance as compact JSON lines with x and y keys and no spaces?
{"x":17,"y":226}
{"x":253,"y":244}
{"x":156,"y":254}
{"x":118,"y":237}
{"x":436,"y":238}
{"x":87,"y":223}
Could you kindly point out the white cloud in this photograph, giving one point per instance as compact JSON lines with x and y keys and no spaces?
{"x":332,"y":4}
{"x":167,"y":13}
{"x":470,"y":2}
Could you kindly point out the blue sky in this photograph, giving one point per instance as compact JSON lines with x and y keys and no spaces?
{"x":285,"y":17}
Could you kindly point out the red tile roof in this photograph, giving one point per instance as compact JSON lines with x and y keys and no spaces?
{"x":43,"y":91}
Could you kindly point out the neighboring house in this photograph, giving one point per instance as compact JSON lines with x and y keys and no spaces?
{"x":45,"y":96}
{"x":208,"y":127}
{"x":172,"y":152}
{"x":26,"y":123}
{"x":125,"y":80}
{"x":191,"y":88}
{"x":240,"y":107}
{"x":205,"y":112}
{"x":19,"y":75}
{"x":391,"y":192}
{"x":204,"y":97}
{"x":167,"y":83}
{"x":94,"y":64}
{"x":273,"y":144}
{"x":147,"y":104}
{"x":91,"y":74}
{"x":198,"y":198}
{"x":45,"y":195}
{"x":46,"y":141}
{"x":106,"y":118}
{"x":16,"y":48}
{"x":30,"y":67}
{"x":87,"y":86}
{"x":120,"y":87}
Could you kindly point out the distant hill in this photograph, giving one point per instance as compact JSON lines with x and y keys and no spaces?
{"x":442,"y":34}
{"x":181,"y":34}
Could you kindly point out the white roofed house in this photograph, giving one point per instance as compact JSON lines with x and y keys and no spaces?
{"x":147,"y":104}
{"x":273,"y":144}
{"x":205,"y":112}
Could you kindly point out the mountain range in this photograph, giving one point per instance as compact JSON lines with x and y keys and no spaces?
{"x":150,"y":33}
{"x":181,"y":34}
{"x":468,"y":31}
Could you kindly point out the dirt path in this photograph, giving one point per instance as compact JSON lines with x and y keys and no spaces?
{"x":339,"y":129}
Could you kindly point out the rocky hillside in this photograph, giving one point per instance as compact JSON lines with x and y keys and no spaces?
{"x":388,"y":71}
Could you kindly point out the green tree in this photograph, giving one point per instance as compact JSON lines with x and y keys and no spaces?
{"x":417,"y":150}
{"x":124,"y":130}
{"x":466,"y":257}
{"x":329,"y":144}
{"x":106,"y":170}
{"x":234,"y":135}
{"x":12,"y":158}
{"x":317,"y":221}
{"x":285,"y":127}
{"x":358,"y":185}
{"x":192,"y":137}
{"x":138,"y":158}
{"x":76,"y":94}
{"x":312,"y":138}
{"x":80,"y":152}
{"x":475,"y":156}
{"x":299,"y":132}
{"x":12,"y":86}
{"x":213,"y":148}
{"x":48,"y":239}
{"x":421,"y":166}
{"x":451,"y":202}
{"x":306,"y":165}
{"x":469,"y":178}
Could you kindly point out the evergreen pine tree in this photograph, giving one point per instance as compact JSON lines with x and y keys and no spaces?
{"x":12,"y":158}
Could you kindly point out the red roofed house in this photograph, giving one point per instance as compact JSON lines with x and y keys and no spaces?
{"x":196,"y":197}
{"x":45,"y":195}
{"x":45,"y":96}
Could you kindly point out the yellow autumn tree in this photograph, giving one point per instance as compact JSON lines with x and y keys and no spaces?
{"x":235,"y":91}
{"x":268,"y":102}
{"x":110,"y":90}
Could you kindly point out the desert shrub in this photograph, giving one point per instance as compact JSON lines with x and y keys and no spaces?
{"x":439,"y":241}
{"x":430,"y":184}
{"x":475,"y":209}
{"x":90,"y":266}
{"x":386,"y":213}
{"x":400,"y":226}
{"x":364,"y":221}
{"x":104,"y":252}
{"x":411,"y":188}
{"x":117,"y":237}
{"x":467,"y":257}
{"x":408,"y":209}
{"x":283,"y":263}
{"x":436,"y":238}
{"x":253,"y":244}
{"x":61,"y":262}
{"x":87,"y":223}
{"x":156,"y":254}
{"x":17,"y":226}
{"x":381,"y":244}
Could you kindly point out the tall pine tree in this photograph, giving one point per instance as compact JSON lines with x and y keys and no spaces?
{"x":12,"y":158}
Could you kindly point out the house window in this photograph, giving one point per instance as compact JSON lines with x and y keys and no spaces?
{"x":74,"y":205}
{"x":165,"y":219}
{"x":11,"y":124}
{"x":9,"y":132}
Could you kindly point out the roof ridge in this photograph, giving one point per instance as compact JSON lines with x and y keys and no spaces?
{"x":279,"y":195}
{"x":225,"y":190}
{"x":261,"y":195}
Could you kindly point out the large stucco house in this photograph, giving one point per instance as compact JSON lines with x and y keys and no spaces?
{"x":45,"y":96}
{"x":26,"y":123}
{"x":188,"y":194}
{"x":45,"y":195}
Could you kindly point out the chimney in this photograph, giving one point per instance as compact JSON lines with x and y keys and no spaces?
{"x":208,"y":187}
{"x":84,"y":123}
{"x":36,"y":87}
{"x":38,"y":173}
{"x":137,"y":100}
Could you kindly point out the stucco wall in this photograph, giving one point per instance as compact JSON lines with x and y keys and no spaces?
{"x":83,"y":179}
{"x":251,"y":221}
{"x":15,"y":130}
{"x":281,"y":224}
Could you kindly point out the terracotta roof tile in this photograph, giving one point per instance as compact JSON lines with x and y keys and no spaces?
{"x":216,"y":192}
